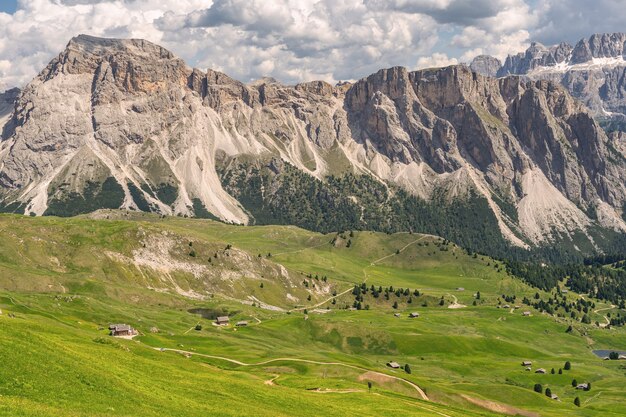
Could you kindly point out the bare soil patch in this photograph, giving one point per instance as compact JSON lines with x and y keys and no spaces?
{"x":499,"y":407}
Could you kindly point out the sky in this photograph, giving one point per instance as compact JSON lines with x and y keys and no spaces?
{"x":300,"y":40}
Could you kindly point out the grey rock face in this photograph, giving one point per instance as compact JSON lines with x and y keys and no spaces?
{"x":7,"y":104}
{"x":128,"y":112}
{"x":534,"y":57}
{"x":594,"y":71}
{"x":605,"y":45}
{"x":486,"y":65}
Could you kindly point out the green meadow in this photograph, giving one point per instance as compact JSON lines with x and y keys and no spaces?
{"x":304,"y":351}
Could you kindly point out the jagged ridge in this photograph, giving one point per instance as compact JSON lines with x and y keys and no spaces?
{"x":129,"y":114}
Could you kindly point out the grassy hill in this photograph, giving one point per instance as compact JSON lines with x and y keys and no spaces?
{"x":62,"y":281}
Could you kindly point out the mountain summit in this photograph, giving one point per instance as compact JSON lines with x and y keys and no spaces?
{"x":593,"y":71}
{"x":125,"y":124}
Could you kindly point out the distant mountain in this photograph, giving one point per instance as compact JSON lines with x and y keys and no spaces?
{"x":593,"y":71}
{"x":487,"y":162}
{"x":486,"y":65}
{"x":7,"y":103}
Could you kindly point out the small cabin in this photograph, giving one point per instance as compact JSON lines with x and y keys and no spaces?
{"x":527,"y":363}
{"x":241,"y":323}
{"x":555,"y":397}
{"x":506,"y":306}
{"x":393,"y":365}
{"x":540,"y":371}
{"x":222,"y":321}
{"x":526,"y":313}
{"x":396,"y":314}
{"x":584,"y":386}
{"x":460,"y":289}
{"x":414,"y":315}
{"x":122,"y":330}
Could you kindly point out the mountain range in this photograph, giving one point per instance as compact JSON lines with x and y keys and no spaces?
{"x":490,"y":161}
{"x":593,"y":71}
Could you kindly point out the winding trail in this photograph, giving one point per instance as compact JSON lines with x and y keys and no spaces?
{"x":266,"y":362}
{"x":455,"y":303}
{"x":373,"y":263}
{"x":321,"y":303}
{"x":405,"y":247}
{"x":608,"y":322}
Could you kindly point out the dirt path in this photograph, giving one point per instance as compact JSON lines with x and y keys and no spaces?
{"x":373,"y":263}
{"x":322,"y":302}
{"x":345,"y":365}
{"x":455,"y":303}
{"x":608,"y":322}
{"x":499,"y":407}
{"x":401,"y":250}
{"x":271,"y":380}
{"x":191,"y":328}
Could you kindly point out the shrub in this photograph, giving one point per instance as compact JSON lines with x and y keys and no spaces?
{"x":567,"y":366}
{"x":538,"y":388}
{"x":577,"y":402}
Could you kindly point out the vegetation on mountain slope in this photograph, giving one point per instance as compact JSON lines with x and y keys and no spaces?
{"x":278,"y":193}
{"x":64,"y":280}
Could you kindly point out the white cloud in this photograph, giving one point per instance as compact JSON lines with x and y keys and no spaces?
{"x":571,"y":20}
{"x":296,"y":40}
{"x":436,"y":60}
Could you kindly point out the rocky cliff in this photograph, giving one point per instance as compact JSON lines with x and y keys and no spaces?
{"x":124,"y":123}
{"x":486,"y":65}
{"x":593,"y":71}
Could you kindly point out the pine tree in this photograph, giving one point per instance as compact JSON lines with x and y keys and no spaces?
{"x":577,"y":402}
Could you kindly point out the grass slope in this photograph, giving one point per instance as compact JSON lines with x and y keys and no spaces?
{"x":64,"y":280}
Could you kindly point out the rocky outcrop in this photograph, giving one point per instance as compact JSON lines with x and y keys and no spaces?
{"x":536,"y":56}
{"x":127,"y":123}
{"x":606,"y":45}
{"x":594,"y":71}
{"x":7,"y":104}
{"x":486,"y":65}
